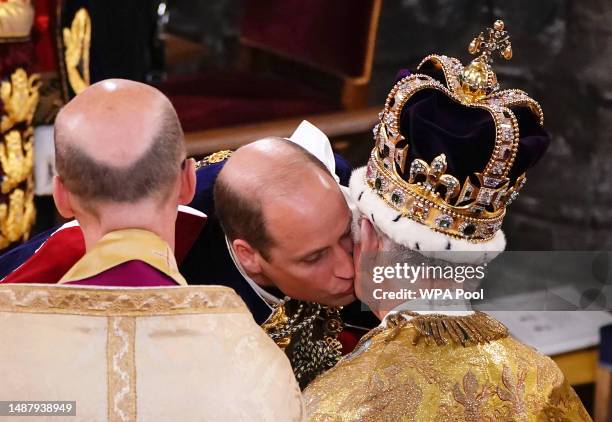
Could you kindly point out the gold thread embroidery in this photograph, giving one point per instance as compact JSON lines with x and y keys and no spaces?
{"x":513,"y":392}
{"x":458,"y":383}
{"x":391,"y":398}
{"x":30,"y":298}
{"x":121,"y":370}
{"x":471,"y":397}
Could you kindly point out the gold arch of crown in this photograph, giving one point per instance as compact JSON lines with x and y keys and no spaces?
{"x":473,"y":212}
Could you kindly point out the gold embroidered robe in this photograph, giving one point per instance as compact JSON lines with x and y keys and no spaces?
{"x":443,"y":368}
{"x":142,"y":354}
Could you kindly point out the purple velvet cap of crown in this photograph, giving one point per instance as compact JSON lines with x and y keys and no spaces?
{"x":435,"y":124}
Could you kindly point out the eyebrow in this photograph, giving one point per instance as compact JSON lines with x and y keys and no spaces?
{"x":316,"y":251}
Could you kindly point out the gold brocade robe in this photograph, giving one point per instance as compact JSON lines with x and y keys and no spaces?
{"x":443,"y":368}
{"x":175,"y":353}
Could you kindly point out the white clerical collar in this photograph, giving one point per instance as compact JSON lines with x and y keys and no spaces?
{"x":313,"y":140}
{"x":267,"y":297}
{"x":423,"y":307}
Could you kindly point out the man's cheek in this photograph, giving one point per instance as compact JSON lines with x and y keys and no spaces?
{"x":309,"y":279}
{"x":321,"y":278}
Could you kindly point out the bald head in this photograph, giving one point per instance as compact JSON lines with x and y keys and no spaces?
{"x":273,"y":166}
{"x":265,"y":171}
{"x":114,"y":121}
{"x":119,"y":141}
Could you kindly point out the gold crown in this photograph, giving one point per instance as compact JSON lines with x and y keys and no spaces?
{"x":16,"y":18}
{"x":472,"y":211}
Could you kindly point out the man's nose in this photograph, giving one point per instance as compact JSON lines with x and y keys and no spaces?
{"x":344,"y":267}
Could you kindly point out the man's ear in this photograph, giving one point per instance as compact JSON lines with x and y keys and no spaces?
{"x":249,"y":258}
{"x":188,"y":182}
{"x":62,"y":198}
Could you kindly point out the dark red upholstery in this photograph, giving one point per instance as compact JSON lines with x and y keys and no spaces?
{"x":14,"y":55}
{"x":212,"y":100}
{"x":329,"y":34}
{"x":43,"y":35}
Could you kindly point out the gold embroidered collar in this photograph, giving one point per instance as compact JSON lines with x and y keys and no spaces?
{"x":120,"y":246}
{"x":440,"y":329}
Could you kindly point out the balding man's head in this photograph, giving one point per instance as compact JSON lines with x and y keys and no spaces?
{"x":118,"y":141}
{"x":257,"y":173}
{"x":287,"y":220}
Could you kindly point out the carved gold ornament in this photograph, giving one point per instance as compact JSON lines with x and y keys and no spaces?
{"x":17,"y":216}
{"x":77,"y":41}
{"x":16,"y":158}
{"x":19,"y":97}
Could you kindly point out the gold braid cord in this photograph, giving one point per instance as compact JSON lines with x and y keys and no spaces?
{"x":308,"y":334}
{"x":19,"y":97}
{"x":77,"y":40}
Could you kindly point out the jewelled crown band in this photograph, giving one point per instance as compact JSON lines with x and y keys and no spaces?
{"x":423,"y":191}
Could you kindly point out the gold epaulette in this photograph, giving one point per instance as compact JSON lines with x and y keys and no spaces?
{"x":213,"y":158}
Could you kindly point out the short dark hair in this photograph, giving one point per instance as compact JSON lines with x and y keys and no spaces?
{"x":152,"y":173}
{"x":242,"y":216}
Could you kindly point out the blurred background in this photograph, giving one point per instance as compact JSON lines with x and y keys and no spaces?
{"x":562,"y":52}
{"x":237,"y":70}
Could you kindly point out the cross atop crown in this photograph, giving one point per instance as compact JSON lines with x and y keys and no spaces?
{"x":493,"y":39}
